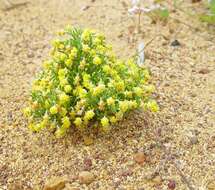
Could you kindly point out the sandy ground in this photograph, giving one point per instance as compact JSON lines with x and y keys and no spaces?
{"x":179,"y":141}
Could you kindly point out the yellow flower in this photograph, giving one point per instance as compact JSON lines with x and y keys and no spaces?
{"x":119,"y":115}
{"x":72,"y":114}
{"x":128,"y":94}
{"x":60,"y":132}
{"x":47,"y":104}
{"x":101,"y":105}
{"x":152,"y":105}
{"x":97,"y":60}
{"x":61,"y":46}
{"x":86,"y":48}
{"x":81,"y":92}
{"x":78,"y":121}
{"x":120,"y":86}
{"x":138,"y":91}
{"x":82,"y":64}
{"x":63,"y":111}
{"x":89,"y":115}
{"x":62,"y":72}
{"x":106,"y":69}
{"x":68,"y":62}
{"x":62,"y":57}
{"x":86,"y":76}
{"x":149,"y":88}
{"x":54,"y":109}
{"x":86,"y":35}
{"x":56,"y":42}
{"x":132,"y":104}
{"x":31,"y":126}
{"x":77,"y":79}
{"x":43,"y":124}
{"x":97,"y":41}
{"x":73,"y":53}
{"x":46,"y":65}
{"x":146,"y":74}
{"x":110,"y":101}
{"x":68,"y":88}
{"x":63,"y":98}
{"x":93,"y":52}
{"x":98,"y":89}
{"x":66,"y":122}
{"x":123,"y":106}
{"x":63,"y":81}
{"x":27,"y":112}
{"x":113,"y":119}
{"x":105,"y":121}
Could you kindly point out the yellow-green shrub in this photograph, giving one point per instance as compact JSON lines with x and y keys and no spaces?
{"x":84,"y":83}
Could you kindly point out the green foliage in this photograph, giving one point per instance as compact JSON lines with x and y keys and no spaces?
{"x":210,"y":17}
{"x":160,"y":14}
{"x":84,"y":84}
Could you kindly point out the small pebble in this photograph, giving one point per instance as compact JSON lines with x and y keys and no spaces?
{"x":86,"y":177}
{"x":193,"y":140}
{"x":55,"y":183}
{"x":171,"y":184}
{"x":211,"y":185}
{"x":140,"y":158}
{"x":175,"y":43}
{"x":87,"y":163}
{"x":204,"y":71}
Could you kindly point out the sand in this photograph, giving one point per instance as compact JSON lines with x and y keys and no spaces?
{"x":179,"y":141}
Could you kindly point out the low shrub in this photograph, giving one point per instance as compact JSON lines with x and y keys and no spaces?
{"x":85,"y":85}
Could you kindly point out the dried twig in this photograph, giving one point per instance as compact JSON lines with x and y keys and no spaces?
{"x":183,"y":177}
{"x":11,"y":5}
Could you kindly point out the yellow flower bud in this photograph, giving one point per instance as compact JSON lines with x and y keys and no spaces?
{"x":78,"y":121}
{"x":138,"y":91}
{"x":86,"y":48}
{"x":113,"y":119}
{"x":54,"y":109}
{"x":68,"y":88}
{"x":86,"y":35}
{"x":27,"y":112}
{"x":120,"y":86}
{"x":68,"y":62}
{"x":105,"y":121}
{"x":72,"y":114}
{"x":66,"y":122}
{"x":63,"y":81}
{"x":63,"y":111}
{"x":60,"y":132}
{"x":152,"y":105}
{"x":123,"y":106}
{"x":110,"y":101}
{"x":97,"y":60}
{"x":62,"y":72}
{"x":89,"y":115}
{"x":63,"y":98}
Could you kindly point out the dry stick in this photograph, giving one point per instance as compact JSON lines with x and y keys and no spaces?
{"x":110,"y":6}
{"x":13,"y":6}
{"x":169,"y":158}
{"x":189,"y":26}
{"x":148,"y":43}
{"x":184,"y":179}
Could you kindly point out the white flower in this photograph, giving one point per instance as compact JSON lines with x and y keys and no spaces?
{"x":135,"y":2}
{"x":134,"y":10}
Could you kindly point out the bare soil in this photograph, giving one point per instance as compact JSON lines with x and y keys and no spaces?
{"x":179,"y":141}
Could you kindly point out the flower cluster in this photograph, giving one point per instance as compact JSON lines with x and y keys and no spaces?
{"x":84,"y":83}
